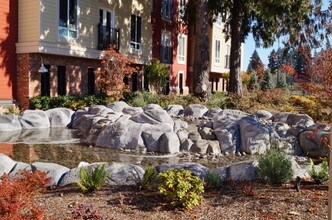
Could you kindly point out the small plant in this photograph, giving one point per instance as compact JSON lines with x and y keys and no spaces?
{"x":274,"y":167}
{"x":212,"y":180}
{"x":181,"y":188}
{"x":92,"y":179}
{"x":322,"y":175}
{"x":85,"y":212}
{"x":149,"y":178}
{"x":17,"y":195}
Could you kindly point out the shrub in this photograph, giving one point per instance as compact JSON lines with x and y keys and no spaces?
{"x":322,"y":175}
{"x":266,"y":82}
{"x":274,"y":167}
{"x":17,"y":195}
{"x":149,"y":178}
{"x":181,"y":188}
{"x":91,"y":179}
{"x":85,"y":212}
{"x":212,"y":180}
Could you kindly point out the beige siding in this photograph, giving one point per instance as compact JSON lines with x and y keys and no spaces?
{"x":49,"y":21}
{"x":28,"y":20}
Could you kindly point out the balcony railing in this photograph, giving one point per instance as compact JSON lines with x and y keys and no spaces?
{"x":166,"y":54}
{"x":107,"y":37}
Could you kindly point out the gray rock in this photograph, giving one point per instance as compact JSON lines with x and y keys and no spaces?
{"x":186,"y":145}
{"x":281,"y":128}
{"x":243,"y":171}
{"x":222,"y":172}
{"x":10,"y":136}
{"x":200,"y":146}
{"x":169,"y":143}
{"x":124,"y":174}
{"x":293,"y":119}
{"x":151,"y":140}
{"x":255,"y":137}
{"x":123,"y":133}
{"x":6,"y":164}
{"x":263,"y":114}
{"x":194,"y":136}
{"x":9,"y":123}
{"x":214,"y":147}
{"x":226,"y":129}
{"x":207,"y":133}
{"x":132,"y":110}
{"x":298,"y":170}
{"x":153,"y":116}
{"x":152,"y":107}
{"x":179,"y":125}
{"x":96,"y":109}
{"x":211,"y":113}
{"x":183,"y":135}
{"x":55,"y":171}
{"x":60,"y":117}
{"x":118,"y":106}
{"x":34,"y":119}
{"x":197,"y":169}
{"x":20,"y":166}
{"x":195,"y":110}
{"x":95,"y":130}
{"x":77,"y":115}
{"x":312,"y":144}
{"x":174,"y":110}
{"x":84,"y":123}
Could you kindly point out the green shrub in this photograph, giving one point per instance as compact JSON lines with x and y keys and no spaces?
{"x":149,"y":178}
{"x":212,"y":180}
{"x":91,"y":179}
{"x":274,"y":167}
{"x":181,"y":188}
{"x":322,"y":175}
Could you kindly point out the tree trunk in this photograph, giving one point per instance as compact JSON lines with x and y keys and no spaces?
{"x":235,"y":82}
{"x":201,"y":60}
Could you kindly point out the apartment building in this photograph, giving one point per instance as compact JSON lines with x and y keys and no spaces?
{"x":8,"y":38}
{"x":60,"y":43}
{"x":170,"y":42}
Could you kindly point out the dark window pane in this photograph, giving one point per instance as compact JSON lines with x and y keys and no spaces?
{"x":133,"y":28}
{"x":139,"y":28}
{"x":45,"y":82}
{"x":101,"y":14}
{"x":73,"y":14}
{"x":108,"y":19}
{"x":63,"y":13}
{"x":91,"y":81}
{"x":62,"y":80}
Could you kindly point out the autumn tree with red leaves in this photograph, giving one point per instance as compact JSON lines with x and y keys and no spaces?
{"x":115,"y":67}
{"x":320,"y":77}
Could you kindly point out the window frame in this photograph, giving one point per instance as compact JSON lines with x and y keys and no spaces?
{"x":136,"y":43}
{"x":166,"y":9}
{"x":217,"y":51}
{"x":65,"y":28}
{"x":182,"y":58}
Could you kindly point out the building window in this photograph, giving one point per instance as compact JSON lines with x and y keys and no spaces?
{"x":91,"y":81}
{"x":227,"y":56}
{"x":107,"y":33}
{"x":45,"y":82}
{"x":166,"y":48}
{"x":182,"y":49}
{"x":166,"y":10}
{"x":135,"y":32}
{"x":68,"y":18}
{"x":62,"y":80}
{"x":217,"y":52}
{"x":218,"y":20}
{"x":182,"y":9}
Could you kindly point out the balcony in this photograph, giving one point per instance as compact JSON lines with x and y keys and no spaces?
{"x":107,"y":37}
{"x":166,"y":54}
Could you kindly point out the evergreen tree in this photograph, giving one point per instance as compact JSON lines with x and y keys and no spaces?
{"x":253,"y":81}
{"x":274,"y":64}
{"x":281,"y":80}
{"x":266,"y":83}
{"x":256,"y":65}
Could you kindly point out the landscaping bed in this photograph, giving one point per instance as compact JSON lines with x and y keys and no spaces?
{"x":237,"y":200}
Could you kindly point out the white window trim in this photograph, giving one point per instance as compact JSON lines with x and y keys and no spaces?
{"x":216,"y":59}
{"x":112,"y":11}
{"x":66,"y":38}
{"x":185,"y":49}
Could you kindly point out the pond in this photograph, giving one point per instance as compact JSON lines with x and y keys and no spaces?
{"x":63,"y":146}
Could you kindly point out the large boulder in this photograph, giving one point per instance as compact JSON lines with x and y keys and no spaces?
{"x":211,"y":113}
{"x":255,"y":137}
{"x":315,"y":143}
{"x":174,"y":110}
{"x":84,"y":123}
{"x":54,"y":171}
{"x":195,"y":110}
{"x":9,"y":123}
{"x":263,"y":114}
{"x":132,"y":110}
{"x":243,"y":171}
{"x":293,"y":119}
{"x":20,"y":166}
{"x":96,"y":109}
{"x":169,"y":143}
{"x":226,"y":129}
{"x":153,"y":116}
{"x":201,"y":146}
{"x":60,"y":117}
{"x":6,"y":164}
{"x":151,"y":140}
{"x":34,"y":119}
{"x":118,"y":106}
{"x":123,"y":133}
{"x":152,"y":107}
{"x":197,"y":169}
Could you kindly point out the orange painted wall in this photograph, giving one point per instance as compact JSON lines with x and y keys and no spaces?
{"x":8,"y":38}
